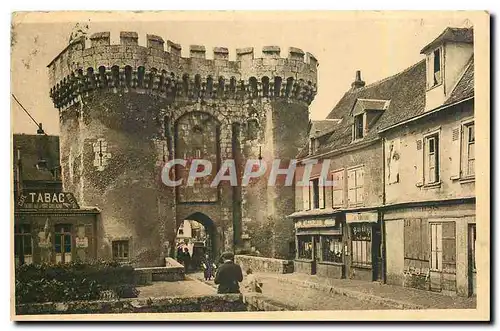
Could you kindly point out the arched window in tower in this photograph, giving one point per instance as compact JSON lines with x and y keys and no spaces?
{"x":128,"y":76}
{"x":265,"y":86}
{"x":185,"y":84}
{"x":115,"y":74}
{"x":210,"y":86}
{"x":103,"y":80}
{"x":289,"y":86}
{"x":232,"y":85}
{"x":152,"y":75}
{"x":220,"y":87}
{"x":277,"y":86}
{"x":140,"y":76}
{"x":254,"y":92}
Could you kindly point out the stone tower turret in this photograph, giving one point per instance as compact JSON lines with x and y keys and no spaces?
{"x":126,"y":109}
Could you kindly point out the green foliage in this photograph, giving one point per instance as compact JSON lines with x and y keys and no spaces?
{"x":73,"y":281}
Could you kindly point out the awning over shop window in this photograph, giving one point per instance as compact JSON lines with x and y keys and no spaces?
{"x":361,"y":217}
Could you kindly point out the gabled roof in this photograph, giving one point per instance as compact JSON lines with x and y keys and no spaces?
{"x":406,"y":93}
{"x":457,"y":35}
{"x":363,"y":105}
{"x":28,"y":144}
{"x":465,"y":86}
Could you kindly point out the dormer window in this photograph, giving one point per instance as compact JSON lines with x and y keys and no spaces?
{"x":313,"y":146}
{"x":435,"y":68}
{"x":359,"y":126}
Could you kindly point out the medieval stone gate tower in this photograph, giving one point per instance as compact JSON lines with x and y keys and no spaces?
{"x":125,"y":110}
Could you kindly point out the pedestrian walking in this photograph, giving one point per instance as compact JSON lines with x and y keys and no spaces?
{"x":229,"y":275}
{"x":208,"y":267}
{"x":252,"y":282}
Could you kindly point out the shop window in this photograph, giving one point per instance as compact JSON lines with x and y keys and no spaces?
{"x":468,"y":166}
{"x":355,"y":185}
{"x":332,"y":249}
{"x":120,"y":250}
{"x":23,"y":244}
{"x":63,"y":243}
{"x":361,"y":239}
{"x":304,"y":247}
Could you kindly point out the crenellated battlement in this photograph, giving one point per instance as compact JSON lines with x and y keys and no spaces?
{"x":160,"y":67}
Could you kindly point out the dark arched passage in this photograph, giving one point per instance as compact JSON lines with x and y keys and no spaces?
{"x":200,"y":241}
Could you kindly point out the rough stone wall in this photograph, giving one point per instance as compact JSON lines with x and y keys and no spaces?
{"x":121,"y":113}
{"x":263,"y":264}
{"x":213,"y":303}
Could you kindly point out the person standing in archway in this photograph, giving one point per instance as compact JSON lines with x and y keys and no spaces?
{"x":229,"y":275}
{"x":187,"y":260}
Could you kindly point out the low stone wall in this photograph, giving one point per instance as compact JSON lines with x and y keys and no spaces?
{"x":264,"y":264}
{"x":257,"y":302}
{"x":302,"y":266}
{"x":172,"y":272}
{"x":330,"y":270}
{"x":212,"y":303}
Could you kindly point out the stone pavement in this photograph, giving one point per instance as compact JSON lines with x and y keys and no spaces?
{"x":188,"y":287}
{"x":296,"y":298}
{"x":392,"y":295}
{"x":342,"y":294}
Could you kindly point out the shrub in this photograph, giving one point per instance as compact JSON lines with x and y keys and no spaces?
{"x":72,"y":281}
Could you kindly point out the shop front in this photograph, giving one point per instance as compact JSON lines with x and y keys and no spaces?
{"x":52,"y":228}
{"x":364,"y":258}
{"x":320,"y":247}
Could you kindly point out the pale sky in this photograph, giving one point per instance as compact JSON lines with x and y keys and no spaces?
{"x":379,"y":46}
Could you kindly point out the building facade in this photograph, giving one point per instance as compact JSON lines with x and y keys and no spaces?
{"x":127,"y":110}
{"x":49,"y":224}
{"x":400,"y":207}
{"x":431,"y":228}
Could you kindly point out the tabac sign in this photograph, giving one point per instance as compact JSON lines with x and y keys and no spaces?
{"x":45,"y":200}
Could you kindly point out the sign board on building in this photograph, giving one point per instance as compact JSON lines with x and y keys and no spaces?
{"x":361,"y":217}
{"x":315,"y":223}
{"x":47,"y":200}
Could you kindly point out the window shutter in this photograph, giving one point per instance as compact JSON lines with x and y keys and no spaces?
{"x":360,"y":180}
{"x":321,"y":197}
{"x":419,"y":164}
{"x":338,"y":189}
{"x":351,"y":182}
{"x":455,"y":153}
{"x":305,"y":197}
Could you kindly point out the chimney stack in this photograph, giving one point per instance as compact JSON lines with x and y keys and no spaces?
{"x":358,"y":83}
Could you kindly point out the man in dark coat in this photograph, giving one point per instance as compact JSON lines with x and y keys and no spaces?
{"x":228,"y":275}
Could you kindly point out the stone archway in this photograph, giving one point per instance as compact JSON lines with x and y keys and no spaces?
{"x":209,"y":242}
